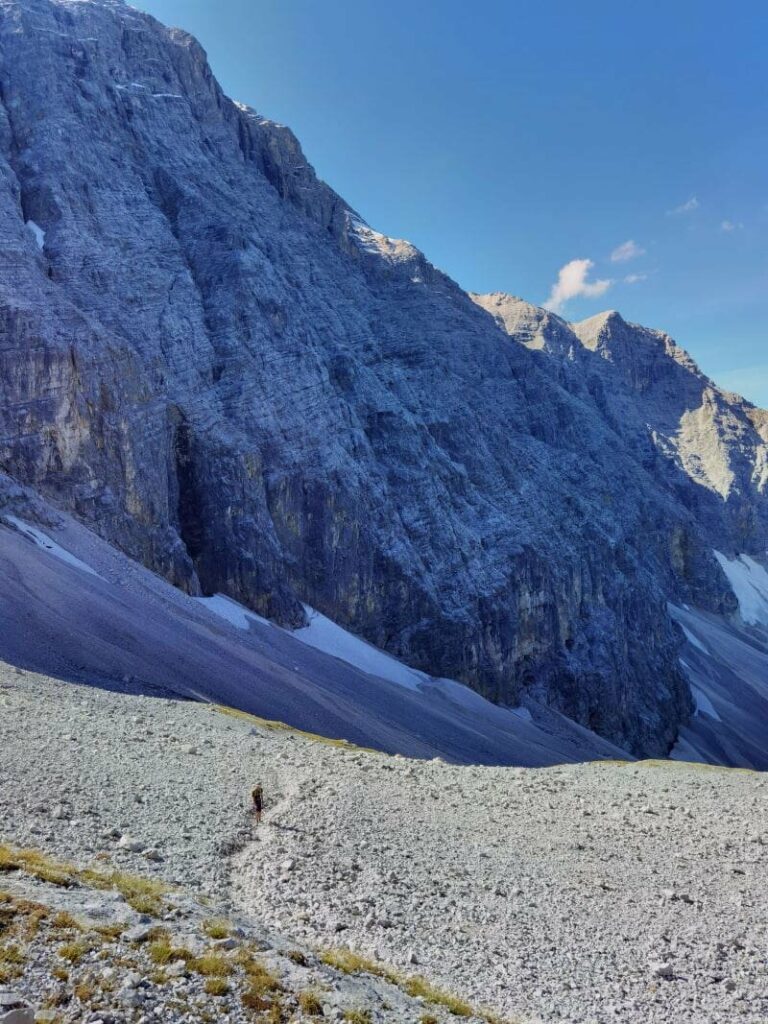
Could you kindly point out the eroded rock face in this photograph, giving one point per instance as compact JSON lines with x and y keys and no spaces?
{"x":706,"y":446}
{"x":214,"y":362}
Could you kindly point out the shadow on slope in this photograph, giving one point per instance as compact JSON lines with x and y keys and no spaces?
{"x":75,"y":608}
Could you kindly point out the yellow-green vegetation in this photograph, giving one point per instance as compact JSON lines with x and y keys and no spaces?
{"x":11,"y":955}
{"x":348,"y":962}
{"x":31,"y":862}
{"x":358,"y":1016}
{"x":266,"y":723}
{"x":260,"y":978}
{"x":213,"y":965}
{"x":216,"y":986}
{"x":310,"y":1004}
{"x":252,"y":999}
{"x":85,"y":991}
{"x":162,"y":951}
{"x":65,"y":921}
{"x":670,"y":766}
{"x":428,"y":1018}
{"x":74,"y":952}
{"x":143,"y":894}
{"x":217,"y":928}
{"x":418,"y":986}
{"x":353,"y":963}
{"x":54,"y":999}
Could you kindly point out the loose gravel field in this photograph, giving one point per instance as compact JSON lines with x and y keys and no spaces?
{"x":588,"y":894}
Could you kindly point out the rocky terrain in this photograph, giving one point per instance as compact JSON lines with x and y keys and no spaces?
{"x":395,"y":889}
{"x":215,"y":364}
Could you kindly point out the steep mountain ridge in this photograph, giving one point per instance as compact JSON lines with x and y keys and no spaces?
{"x":649,"y":390}
{"x":208,"y":357}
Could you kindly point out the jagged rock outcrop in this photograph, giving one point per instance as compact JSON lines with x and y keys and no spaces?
{"x":714,"y":444}
{"x":215,"y":363}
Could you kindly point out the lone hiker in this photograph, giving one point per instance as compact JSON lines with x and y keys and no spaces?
{"x":258,"y":800}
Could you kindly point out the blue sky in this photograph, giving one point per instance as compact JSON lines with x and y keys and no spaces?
{"x":508,"y":140}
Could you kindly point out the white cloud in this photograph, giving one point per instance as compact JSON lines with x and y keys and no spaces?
{"x":687,"y":207}
{"x":635,"y":278}
{"x":626,"y":251}
{"x":729,"y":225}
{"x":572,"y":282}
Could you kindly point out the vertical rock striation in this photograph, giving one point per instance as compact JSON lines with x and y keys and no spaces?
{"x":215,"y":363}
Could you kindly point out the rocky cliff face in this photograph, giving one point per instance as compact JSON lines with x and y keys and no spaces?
{"x":706,"y":446}
{"x":215,"y":363}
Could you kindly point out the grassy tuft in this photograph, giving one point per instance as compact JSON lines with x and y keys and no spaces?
{"x":253,"y":999}
{"x":213,"y":965}
{"x":418,"y":986}
{"x":65,"y":921}
{"x":74,"y":952}
{"x":216,"y":986}
{"x":260,"y":978}
{"x":217,"y":928}
{"x":37,"y":864}
{"x":310,"y":1004}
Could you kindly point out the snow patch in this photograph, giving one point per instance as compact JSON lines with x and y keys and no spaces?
{"x":38,"y":232}
{"x":235,"y":614}
{"x":749,"y":582}
{"x":44,"y":541}
{"x":704,"y":705}
{"x":694,"y":640}
{"x":325,"y":635}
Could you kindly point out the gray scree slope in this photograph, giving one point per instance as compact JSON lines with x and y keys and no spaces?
{"x":214,"y":363}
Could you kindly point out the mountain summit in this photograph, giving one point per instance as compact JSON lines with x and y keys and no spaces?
{"x":215,"y":364}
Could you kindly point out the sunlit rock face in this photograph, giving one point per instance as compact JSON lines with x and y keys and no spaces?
{"x":213,"y":361}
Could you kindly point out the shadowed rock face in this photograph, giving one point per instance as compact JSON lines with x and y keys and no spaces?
{"x":211,"y":360}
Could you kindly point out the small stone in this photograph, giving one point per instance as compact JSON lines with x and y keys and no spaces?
{"x":663,"y":969}
{"x":126,"y":842}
